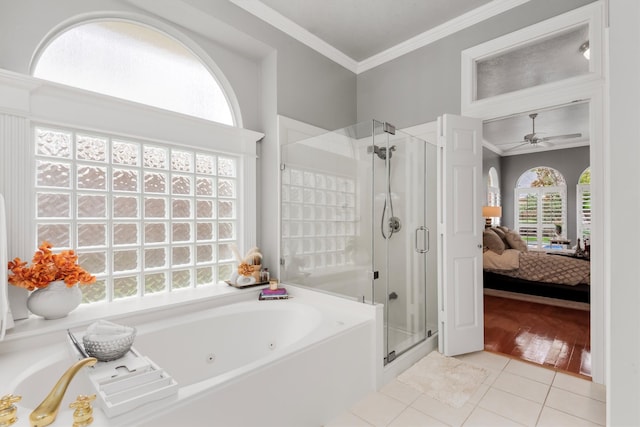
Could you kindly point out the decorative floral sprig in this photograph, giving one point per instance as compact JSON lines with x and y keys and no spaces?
{"x":47,"y":267}
{"x":245,"y":269}
{"x":247,"y":265}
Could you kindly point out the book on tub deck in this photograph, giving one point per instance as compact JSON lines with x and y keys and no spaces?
{"x":271,"y":294}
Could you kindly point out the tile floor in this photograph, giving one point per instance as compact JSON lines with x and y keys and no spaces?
{"x":516,"y":393}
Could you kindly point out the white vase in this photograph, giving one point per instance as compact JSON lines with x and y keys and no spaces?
{"x":54,"y":301}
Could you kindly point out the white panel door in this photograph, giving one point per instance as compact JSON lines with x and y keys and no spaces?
{"x":461,"y":312}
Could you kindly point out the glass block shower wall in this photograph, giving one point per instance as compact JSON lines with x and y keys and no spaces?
{"x":318,"y":219}
{"x":143,"y":217}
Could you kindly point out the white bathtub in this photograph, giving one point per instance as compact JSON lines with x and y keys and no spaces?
{"x":296,"y":362}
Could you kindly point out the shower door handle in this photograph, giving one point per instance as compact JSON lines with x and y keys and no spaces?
{"x":425,"y":231}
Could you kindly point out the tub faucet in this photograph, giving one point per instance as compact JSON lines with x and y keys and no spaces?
{"x":47,"y":411}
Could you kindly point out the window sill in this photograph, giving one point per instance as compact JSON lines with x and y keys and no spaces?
{"x":131,"y":311}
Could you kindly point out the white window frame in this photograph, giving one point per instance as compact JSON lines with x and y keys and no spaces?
{"x":110,"y":248}
{"x":555,"y":93}
{"x":583,"y":226}
{"x":542,"y":229}
{"x":494,"y":197}
{"x":161,"y":27}
{"x":25,"y":100}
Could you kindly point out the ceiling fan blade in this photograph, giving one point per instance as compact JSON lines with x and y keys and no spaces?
{"x":557,"y":137}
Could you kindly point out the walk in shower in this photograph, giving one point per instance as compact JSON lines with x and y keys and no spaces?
{"x":358,"y":219}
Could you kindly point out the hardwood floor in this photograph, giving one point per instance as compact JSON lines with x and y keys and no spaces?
{"x":552,"y":336}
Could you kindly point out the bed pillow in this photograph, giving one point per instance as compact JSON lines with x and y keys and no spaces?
{"x":502,"y":235}
{"x":509,"y":260}
{"x":498,"y":231}
{"x":492,"y":241}
{"x":515,"y":241}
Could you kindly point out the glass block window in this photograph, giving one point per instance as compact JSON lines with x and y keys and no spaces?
{"x":143,"y":217}
{"x":318,"y":219}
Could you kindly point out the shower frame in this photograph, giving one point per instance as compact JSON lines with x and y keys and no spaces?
{"x":368,"y":272}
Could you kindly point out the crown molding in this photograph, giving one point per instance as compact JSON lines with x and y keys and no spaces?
{"x":459,"y":23}
{"x":277,"y":20}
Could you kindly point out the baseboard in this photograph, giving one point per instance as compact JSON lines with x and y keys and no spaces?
{"x":538,"y":299}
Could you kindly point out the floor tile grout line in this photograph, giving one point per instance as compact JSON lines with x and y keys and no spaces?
{"x":544,"y":403}
{"x":574,"y":415}
{"x":396,"y":417}
{"x":498,"y":414}
{"x":360,"y":418}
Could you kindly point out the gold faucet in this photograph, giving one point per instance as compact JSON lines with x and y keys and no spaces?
{"x":47,"y":411}
{"x":8,"y":410}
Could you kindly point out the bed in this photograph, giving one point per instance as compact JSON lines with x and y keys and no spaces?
{"x":509,"y":266}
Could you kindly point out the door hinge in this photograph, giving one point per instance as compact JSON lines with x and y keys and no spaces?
{"x":391,"y":356}
{"x":373,"y":275}
{"x":282,"y":166}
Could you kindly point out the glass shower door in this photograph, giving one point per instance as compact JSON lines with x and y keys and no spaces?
{"x":400,"y":235}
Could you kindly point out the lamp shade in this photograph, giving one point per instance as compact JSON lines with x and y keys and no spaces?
{"x":492,"y":211}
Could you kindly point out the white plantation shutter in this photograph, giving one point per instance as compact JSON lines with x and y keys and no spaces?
{"x":583,"y":192}
{"x":538,"y":210}
{"x":527,"y":214}
{"x":494,"y":199}
{"x":493,"y":194}
{"x":554,"y":211}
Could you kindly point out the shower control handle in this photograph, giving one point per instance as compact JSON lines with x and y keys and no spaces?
{"x":425,"y":231}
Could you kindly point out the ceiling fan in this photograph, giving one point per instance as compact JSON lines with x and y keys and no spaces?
{"x":535,"y":140}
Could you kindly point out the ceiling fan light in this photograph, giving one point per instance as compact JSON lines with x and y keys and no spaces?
{"x":584,"y":49}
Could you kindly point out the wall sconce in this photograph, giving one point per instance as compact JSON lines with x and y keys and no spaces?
{"x":491,"y":212}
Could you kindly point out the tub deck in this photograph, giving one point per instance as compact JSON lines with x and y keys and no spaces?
{"x":315,"y":353}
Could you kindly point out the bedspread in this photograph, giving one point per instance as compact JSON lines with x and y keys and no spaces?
{"x":542,"y":267}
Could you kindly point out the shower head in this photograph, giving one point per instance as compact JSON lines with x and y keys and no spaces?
{"x":381,"y":152}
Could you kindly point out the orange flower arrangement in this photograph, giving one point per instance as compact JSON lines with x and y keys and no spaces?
{"x":47,"y":267}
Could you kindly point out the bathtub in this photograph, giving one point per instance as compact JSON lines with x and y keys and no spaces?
{"x":296,"y":362}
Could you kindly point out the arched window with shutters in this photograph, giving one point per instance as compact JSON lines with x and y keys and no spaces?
{"x":541,"y":207}
{"x":583,"y":199}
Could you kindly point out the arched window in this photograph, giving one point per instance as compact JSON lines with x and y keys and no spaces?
{"x":583,"y":199}
{"x":134,"y":62}
{"x":146,"y":213}
{"x":493,"y":193}
{"x":541,"y":207}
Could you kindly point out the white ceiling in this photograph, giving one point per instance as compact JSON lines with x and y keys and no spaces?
{"x":506,"y":136}
{"x":362,"y":34}
{"x":363,"y":28}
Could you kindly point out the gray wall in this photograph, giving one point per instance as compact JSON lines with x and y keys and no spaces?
{"x":571,"y":162}
{"x":419,"y":86}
